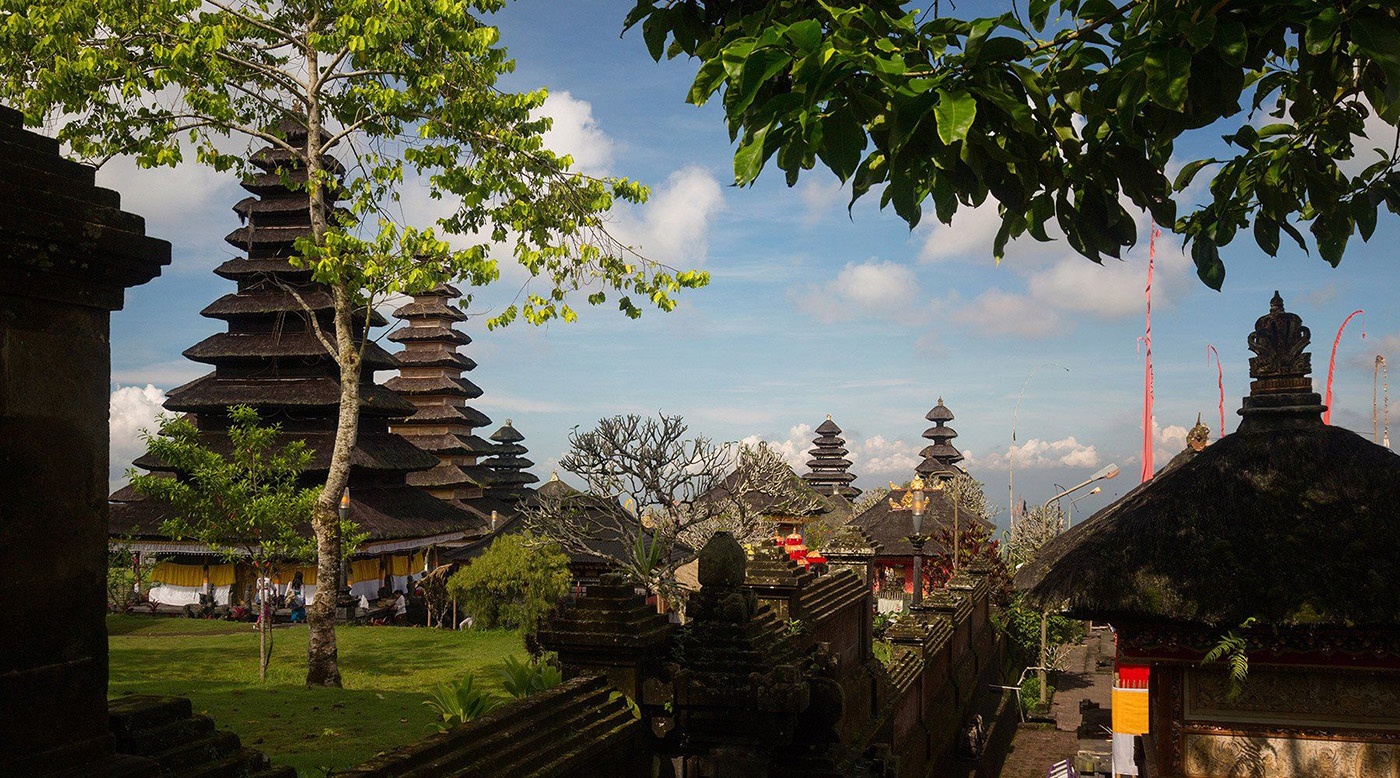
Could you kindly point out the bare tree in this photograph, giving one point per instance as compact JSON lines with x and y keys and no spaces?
{"x":650,"y":489}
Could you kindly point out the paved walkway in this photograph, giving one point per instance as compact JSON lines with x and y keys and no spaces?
{"x":1088,"y":678}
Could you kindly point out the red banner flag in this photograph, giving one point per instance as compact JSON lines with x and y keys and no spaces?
{"x":1219,"y":385}
{"x":1147,"y":468}
{"x":1332,"y":363}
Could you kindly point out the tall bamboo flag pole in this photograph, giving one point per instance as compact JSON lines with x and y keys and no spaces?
{"x":1147,"y":468}
{"x":1332,"y":363}
{"x":1219,"y":385}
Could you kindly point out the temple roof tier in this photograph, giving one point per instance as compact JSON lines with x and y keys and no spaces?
{"x":212,"y":394}
{"x":226,"y":347}
{"x":436,"y":386}
{"x":441,"y":334}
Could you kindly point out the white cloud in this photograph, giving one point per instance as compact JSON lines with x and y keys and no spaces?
{"x":886,"y":460}
{"x":1003,"y":313}
{"x":872,"y":288}
{"x":1167,"y":442}
{"x":131,"y":409}
{"x":672,"y":226}
{"x":1037,"y":453}
{"x":576,"y":133}
{"x":793,"y":449}
{"x":970,"y":236}
{"x":818,"y":197}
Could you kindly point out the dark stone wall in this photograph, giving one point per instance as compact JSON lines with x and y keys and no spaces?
{"x":66,"y":254}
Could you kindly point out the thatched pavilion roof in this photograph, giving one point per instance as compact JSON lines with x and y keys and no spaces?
{"x":1286,"y":520}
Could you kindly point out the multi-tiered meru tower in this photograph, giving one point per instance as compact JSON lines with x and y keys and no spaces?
{"x":828,"y":465}
{"x":940,"y":458}
{"x":271,"y":358}
{"x":430,"y":377}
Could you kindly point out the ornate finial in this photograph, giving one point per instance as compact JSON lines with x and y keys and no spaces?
{"x":508,"y":422}
{"x":828,"y":417}
{"x":554,"y":474}
{"x":1199,"y":436}
{"x":1281,"y":365}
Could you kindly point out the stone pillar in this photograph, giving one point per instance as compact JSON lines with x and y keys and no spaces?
{"x":850,"y":548}
{"x":777,"y":581}
{"x":67,"y":252}
{"x":613,"y":632}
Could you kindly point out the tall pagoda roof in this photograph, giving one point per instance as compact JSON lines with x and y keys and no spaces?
{"x":941,"y":457}
{"x":271,"y":359}
{"x":431,"y":379}
{"x":828,"y":464}
{"x":1287,"y":520}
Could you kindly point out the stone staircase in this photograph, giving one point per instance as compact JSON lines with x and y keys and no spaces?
{"x":580,"y":729}
{"x":166,"y":732}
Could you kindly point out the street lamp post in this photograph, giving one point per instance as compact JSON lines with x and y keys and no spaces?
{"x":1109,"y":471}
{"x":917,"y":540}
{"x":344,"y":517}
{"x":1095,"y":490}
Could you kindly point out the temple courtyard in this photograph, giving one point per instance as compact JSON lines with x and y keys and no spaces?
{"x":389,"y":673}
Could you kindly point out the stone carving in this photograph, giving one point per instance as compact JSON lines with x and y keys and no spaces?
{"x":1283,"y":757}
{"x":1279,"y":340}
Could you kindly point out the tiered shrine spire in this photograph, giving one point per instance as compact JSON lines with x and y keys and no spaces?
{"x":272,"y":358}
{"x":940,"y":458}
{"x":430,"y":377}
{"x":828,"y":465}
{"x":508,"y":465}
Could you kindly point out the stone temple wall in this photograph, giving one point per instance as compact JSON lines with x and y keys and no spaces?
{"x":67,"y":253}
{"x":774,"y":675}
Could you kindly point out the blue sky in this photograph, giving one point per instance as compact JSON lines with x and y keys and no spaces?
{"x":810,"y":311}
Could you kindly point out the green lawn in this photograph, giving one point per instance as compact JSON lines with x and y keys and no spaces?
{"x":388,"y":673}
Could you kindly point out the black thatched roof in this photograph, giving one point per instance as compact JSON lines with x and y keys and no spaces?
{"x":891,"y":528}
{"x":212,"y":394}
{"x":373,"y":451}
{"x":1293,"y":527}
{"x":1287,"y":520}
{"x":283,"y":347}
{"x":437,"y":385}
{"x":385,"y":513}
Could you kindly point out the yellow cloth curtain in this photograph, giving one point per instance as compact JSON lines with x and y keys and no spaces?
{"x":399,"y":565}
{"x":1130,"y":711}
{"x":178,"y":575}
{"x":286,"y":574}
{"x":417,"y":561}
{"x":364,"y":570}
{"x":221,"y":575}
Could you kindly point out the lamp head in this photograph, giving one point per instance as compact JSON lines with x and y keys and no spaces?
{"x":1109,"y":471}
{"x":1096,"y":490}
{"x":345,"y":499}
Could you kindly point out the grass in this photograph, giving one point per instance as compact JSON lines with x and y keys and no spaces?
{"x":388,"y":672}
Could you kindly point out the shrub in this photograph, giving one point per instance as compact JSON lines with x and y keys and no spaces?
{"x":513,"y":584}
{"x":461,"y":701}
{"x":522,"y":678}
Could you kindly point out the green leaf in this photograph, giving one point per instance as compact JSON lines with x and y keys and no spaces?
{"x":1231,"y":41}
{"x":1363,"y":210}
{"x":1168,"y":72}
{"x":1266,"y":234}
{"x":1200,"y":33}
{"x":1321,"y":30}
{"x":1188,"y":173}
{"x":955,"y":113}
{"x":1208,"y":265}
{"x":806,"y":35}
{"x":1378,"y":37}
{"x":843,"y":140}
{"x":749,"y":159}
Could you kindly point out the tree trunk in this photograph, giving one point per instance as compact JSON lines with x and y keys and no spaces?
{"x":1040,"y":674}
{"x":321,"y":666}
{"x":264,"y":636}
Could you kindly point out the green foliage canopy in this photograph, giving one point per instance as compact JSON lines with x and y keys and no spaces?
{"x":398,"y":87}
{"x":1064,"y":112}
{"x":513,"y":583}
{"x":246,"y":503}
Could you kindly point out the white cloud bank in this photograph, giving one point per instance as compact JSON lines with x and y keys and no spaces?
{"x":870,"y":288}
{"x":131,"y":409}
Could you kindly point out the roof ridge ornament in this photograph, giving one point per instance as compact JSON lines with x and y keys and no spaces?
{"x":1281,"y":395}
{"x":1281,"y":364}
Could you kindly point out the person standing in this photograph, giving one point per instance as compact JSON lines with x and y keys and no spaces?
{"x":400,"y":607}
